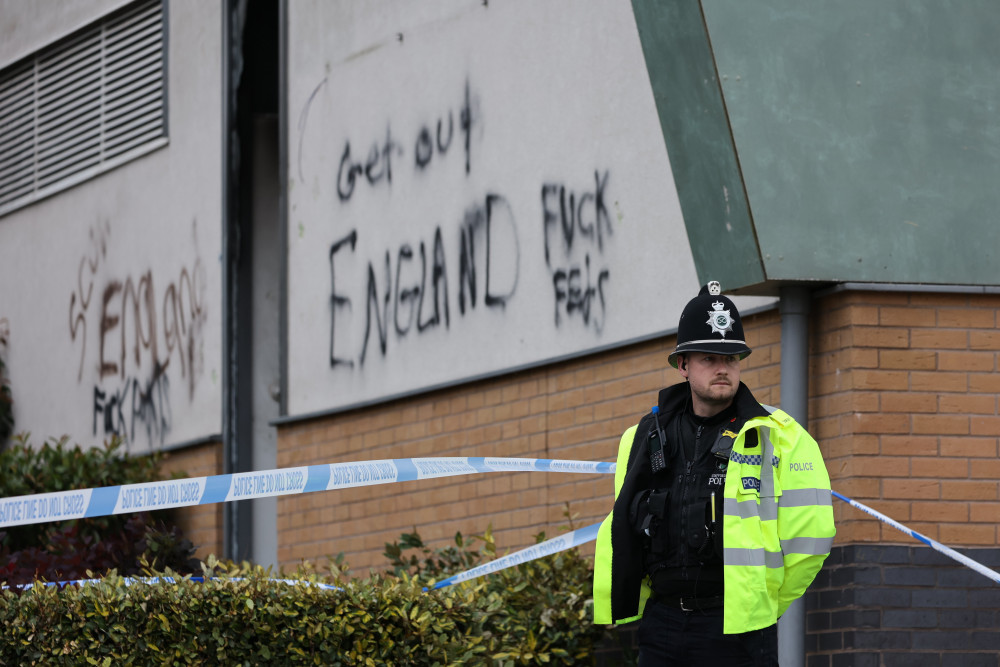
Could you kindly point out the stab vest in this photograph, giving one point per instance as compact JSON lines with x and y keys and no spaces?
{"x":680,"y":519}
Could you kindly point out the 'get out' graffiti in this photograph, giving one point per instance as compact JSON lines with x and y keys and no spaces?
{"x":451,"y":271}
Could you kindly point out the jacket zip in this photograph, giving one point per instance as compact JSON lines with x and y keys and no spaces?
{"x":685,"y":488}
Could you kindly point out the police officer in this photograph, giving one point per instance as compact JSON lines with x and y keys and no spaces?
{"x":722,"y":513}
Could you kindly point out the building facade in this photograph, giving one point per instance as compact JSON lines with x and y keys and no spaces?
{"x":272,"y":234}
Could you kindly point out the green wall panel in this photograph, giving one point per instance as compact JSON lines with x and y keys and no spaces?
{"x":699,"y":143}
{"x":867,"y":132}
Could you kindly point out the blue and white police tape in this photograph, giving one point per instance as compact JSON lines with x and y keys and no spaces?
{"x":589,"y":534}
{"x":152,"y":581}
{"x":933,"y":544}
{"x":571,"y":539}
{"x":105,"y":501}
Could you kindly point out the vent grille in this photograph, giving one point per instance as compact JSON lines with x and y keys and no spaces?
{"x":83,"y":105}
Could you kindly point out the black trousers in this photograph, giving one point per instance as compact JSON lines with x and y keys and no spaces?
{"x":670,"y":636}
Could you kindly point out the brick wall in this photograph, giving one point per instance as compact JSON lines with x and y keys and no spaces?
{"x":573,"y":410}
{"x":904,"y":403}
{"x":202,"y":524}
{"x":903,"y":400}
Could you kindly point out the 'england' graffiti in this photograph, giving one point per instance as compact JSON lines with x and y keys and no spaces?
{"x":581,"y":221}
{"x":410,"y":289}
{"x":138,"y":332}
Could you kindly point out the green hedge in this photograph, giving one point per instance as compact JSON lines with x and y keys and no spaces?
{"x":535,"y":613}
{"x":68,"y":549}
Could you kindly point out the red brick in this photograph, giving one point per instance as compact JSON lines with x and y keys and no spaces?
{"x":862,"y":357}
{"x":938,"y":381}
{"x":968,"y":490}
{"x":968,"y":533}
{"x":914,"y":360}
{"x":860,"y":489}
{"x":881,"y":380}
{"x":939,"y":466}
{"x":854,"y":531}
{"x":938,"y":512}
{"x":969,"y":446}
{"x":912,"y":489}
{"x":983,"y":512}
{"x":879,"y":466}
{"x":984,"y":340}
{"x":879,"y":423}
{"x":985,"y":425}
{"x":941,"y":424}
{"x":968,"y":403}
{"x":825,"y":429}
{"x":938,"y":299}
{"x":985,"y":469}
{"x":908,"y":402}
{"x":986,"y":383}
{"x":966,"y":318}
{"x":895,"y":316}
{"x":977,"y":362}
{"x":880,"y":337}
{"x":881,"y":298}
{"x":939,"y":339}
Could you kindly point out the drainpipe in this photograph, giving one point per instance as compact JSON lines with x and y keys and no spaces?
{"x":795,"y":401}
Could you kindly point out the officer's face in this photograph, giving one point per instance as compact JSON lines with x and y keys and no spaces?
{"x":714,"y":379}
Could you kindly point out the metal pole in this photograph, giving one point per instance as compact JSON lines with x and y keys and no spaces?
{"x":794,"y":401}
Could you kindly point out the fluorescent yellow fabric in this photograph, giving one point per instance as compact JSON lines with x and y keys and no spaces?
{"x":777,"y":530}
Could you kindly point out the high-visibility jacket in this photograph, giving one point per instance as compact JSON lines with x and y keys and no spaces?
{"x":777,"y":527}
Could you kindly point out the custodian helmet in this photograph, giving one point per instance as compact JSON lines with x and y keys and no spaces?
{"x":720,"y":333}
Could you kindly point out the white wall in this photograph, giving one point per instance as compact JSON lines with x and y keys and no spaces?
{"x":112,"y":289}
{"x":538,"y":103}
{"x":26,"y":27}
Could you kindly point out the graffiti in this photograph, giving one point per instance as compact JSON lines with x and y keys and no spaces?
{"x":481,"y":223}
{"x":423,"y":149}
{"x":133,"y":403}
{"x":79,"y":300}
{"x":376,"y":167}
{"x":338,"y":300}
{"x":139,"y":331}
{"x":581,"y":221}
{"x":426,"y":282}
{"x":303,"y":121}
{"x":410,"y":290}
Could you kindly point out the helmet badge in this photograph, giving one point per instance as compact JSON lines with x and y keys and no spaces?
{"x":720,"y":320}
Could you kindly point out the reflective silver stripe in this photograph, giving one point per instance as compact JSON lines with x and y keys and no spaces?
{"x":687,"y":344}
{"x":753,"y":557}
{"x":806,"y":497}
{"x":749,"y":509}
{"x":810,"y":546}
{"x":745,"y":510}
{"x":766,"y":476}
{"x":768,"y":509}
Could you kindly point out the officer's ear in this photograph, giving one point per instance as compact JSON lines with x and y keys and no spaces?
{"x":682,"y":364}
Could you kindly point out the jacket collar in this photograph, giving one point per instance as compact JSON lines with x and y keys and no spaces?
{"x":676,"y":398}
